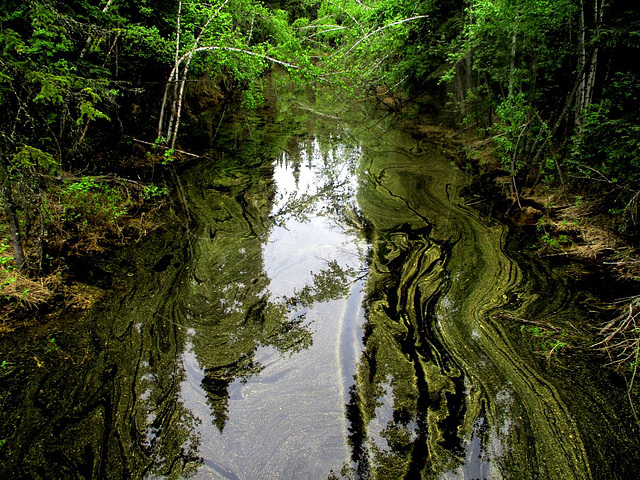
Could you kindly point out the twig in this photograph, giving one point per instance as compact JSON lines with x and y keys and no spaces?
{"x":167,"y":148}
{"x":246,"y":52}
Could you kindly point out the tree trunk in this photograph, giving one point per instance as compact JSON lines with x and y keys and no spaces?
{"x":587,"y":64}
{"x":172,"y":135}
{"x":512,"y":66}
{"x":582,"y":63}
{"x":179,"y":79}
{"x":593,"y":66}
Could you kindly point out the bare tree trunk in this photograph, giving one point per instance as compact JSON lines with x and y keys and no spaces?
{"x":179,"y":78}
{"x":87,"y":43}
{"x":173,"y":135}
{"x":582,"y":63}
{"x":173,"y":76}
{"x":593,"y":66}
{"x":559,"y":121}
{"x":588,"y":65}
{"x":512,"y":66}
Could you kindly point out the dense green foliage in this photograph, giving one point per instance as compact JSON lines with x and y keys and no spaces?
{"x":553,"y":83}
{"x":81,"y":81}
{"x":556,"y":85}
{"x":558,"y":78}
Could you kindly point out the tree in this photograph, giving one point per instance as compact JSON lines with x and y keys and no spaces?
{"x":62,"y":73}
{"x":77,"y":77}
{"x":537,"y":65}
{"x":211,"y":32}
{"x":372,"y":47}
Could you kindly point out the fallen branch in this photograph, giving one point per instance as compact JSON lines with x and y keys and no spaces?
{"x":246,"y":52}
{"x":155,"y":145}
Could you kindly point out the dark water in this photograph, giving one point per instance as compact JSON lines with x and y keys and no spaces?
{"x":333,"y":309}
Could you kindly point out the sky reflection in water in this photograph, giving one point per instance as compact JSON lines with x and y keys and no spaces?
{"x":281,"y":424}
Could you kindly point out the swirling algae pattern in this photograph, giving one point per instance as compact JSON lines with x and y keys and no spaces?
{"x":456,"y":381}
{"x":440,"y":391}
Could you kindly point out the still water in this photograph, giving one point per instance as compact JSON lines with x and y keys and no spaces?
{"x":329,"y":306}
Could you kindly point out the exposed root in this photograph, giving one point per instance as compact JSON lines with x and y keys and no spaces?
{"x":621,"y":336}
{"x":621,"y":342}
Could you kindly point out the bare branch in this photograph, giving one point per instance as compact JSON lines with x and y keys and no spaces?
{"x":106,"y":7}
{"x":166,"y":148}
{"x":246,"y":52}
{"x":350,"y":16}
{"x":325,"y":31}
{"x":174,"y":76}
{"x":319,"y":26}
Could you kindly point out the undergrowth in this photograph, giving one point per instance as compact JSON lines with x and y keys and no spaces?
{"x":82,"y":216}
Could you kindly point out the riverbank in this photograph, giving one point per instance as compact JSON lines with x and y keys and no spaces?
{"x":575,"y":233}
{"x":85,"y":217}
{"x":562,"y":220}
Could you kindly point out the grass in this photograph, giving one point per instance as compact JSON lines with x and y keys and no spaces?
{"x":18,"y":292}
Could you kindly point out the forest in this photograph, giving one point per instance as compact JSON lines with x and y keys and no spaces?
{"x":447,"y":290}
{"x":100,"y":98}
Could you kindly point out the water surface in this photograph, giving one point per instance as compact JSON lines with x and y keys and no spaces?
{"x":328,"y":307}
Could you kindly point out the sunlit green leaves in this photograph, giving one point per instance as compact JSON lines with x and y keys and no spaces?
{"x":145,"y":41}
{"x":373,"y":44}
{"x":52,"y":87}
{"x":89,"y":202}
{"x":504,"y":36}
{"x":30,"y":157}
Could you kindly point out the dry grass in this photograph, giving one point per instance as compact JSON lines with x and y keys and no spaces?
{"x":29,"y":292}
{"x":19,"y":293}
{"x":81,"y":297}
{"x":20,"y":297}
{"x":621,"y":342}
{"x":584,"y":232}
{"x":620,"y":336}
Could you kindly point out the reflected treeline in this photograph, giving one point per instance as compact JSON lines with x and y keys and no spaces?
{"x":323,"y":170}
{"x":331,"y":283}
{"x":227,"y":305}
{"x":407,"y":404}
{"x":228,"y":308}
{"x":111,"y":405}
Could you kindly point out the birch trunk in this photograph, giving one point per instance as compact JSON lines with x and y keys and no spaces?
{"x":173,"y":76}
{"x":593,"y":66}
{"x":173,"y":134}
{"x":582,"y":63}
{"x":512,"y":66}
{"x":179,"y":79}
